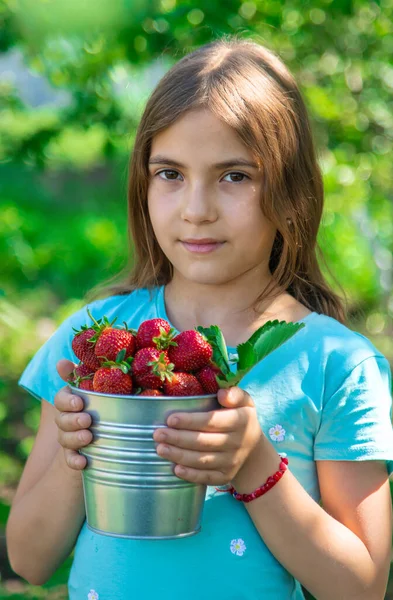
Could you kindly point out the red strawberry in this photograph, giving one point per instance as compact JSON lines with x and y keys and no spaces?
{"x":111,"y":341}
{"x":83,"y":347}
{"x":82,"y":377}
{"x":113,"y":377}
{"x":154,"y":333}
{"x":183,"y":384}
{"x":86,"y":384}
{"x":151,"y":393}
{"x":192,"y":351}
{"x":151,"y":367}
{"x":207,"y":377}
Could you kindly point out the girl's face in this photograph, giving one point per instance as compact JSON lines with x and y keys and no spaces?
{"x":207,"y":217}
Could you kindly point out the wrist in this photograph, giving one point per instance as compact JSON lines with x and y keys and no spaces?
{"x":260,"y":464}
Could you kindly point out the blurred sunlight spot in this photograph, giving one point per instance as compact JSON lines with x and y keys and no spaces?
{"x":95,"y":46}
{"x":12,"y":316}
{"x":329,"y":63}
{"x":32,"y":418}
{"x":167,"y":5}
{"x":247,"y":10}
{"x":386,"y":74}
{"x":345,"y":175}
{"x":375,"y":323}
{"x":195,"y":16}
{"x":10,"y":219}
{"x":101,"y":234}
{"x":353,"y":78}
{"x":362,"y":122}
{"x":317,"y":16}
{"x":45,"y":328}
{"x":328,"y":218}
{"x":25,"y":446}
{"x":381,"y":144}
{"x":327,"y":160}
{"x":140,"y":43}
{"x":78,"y":146}
{"x":383,"y":258}
{"x":161,"y":25}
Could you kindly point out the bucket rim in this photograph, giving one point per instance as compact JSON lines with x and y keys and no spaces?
{"x":134,"y":397}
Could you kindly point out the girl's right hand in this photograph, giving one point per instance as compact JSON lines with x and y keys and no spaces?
{"x":72,"y":422}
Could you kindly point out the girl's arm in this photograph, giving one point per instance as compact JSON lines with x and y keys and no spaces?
{"x":48,"y":509}
{"x":344,"y":555}
{"x":338,"y":552}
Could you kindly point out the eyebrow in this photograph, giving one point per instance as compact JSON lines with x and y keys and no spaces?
{"x":233,"y":162}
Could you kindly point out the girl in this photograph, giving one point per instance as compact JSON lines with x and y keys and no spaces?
{"x":225,"y":201}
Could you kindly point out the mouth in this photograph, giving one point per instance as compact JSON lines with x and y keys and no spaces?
{"x":201,"y":246}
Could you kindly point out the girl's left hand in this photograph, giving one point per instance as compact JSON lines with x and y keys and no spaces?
{"x":211,"y":447}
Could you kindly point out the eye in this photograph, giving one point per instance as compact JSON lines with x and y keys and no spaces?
{"x":168,"y":171}
{"x":237,"y":175}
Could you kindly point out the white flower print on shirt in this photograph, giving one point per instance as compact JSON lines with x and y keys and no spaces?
{"x":277,"y":433}
{"x":92,"y":595}
{"x":238,"y":547}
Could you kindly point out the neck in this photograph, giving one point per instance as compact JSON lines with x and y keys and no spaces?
{"x":231,"y":306}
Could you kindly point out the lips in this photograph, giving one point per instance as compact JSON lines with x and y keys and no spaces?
{"x":202,"y":245}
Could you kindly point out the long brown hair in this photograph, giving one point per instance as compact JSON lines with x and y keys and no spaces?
{"x":248,"y":87}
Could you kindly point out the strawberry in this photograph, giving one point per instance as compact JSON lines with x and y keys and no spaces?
{"x":151,"y":393}
{"x":207,"y":377}
{"x":192,"y":351}
{"x":113,"y":376}
{"x":183,"y":384}
{"x":111,"y":341}
{"x":83,"y":347}
{"x":86,"y":384}
{"x":82,"y":377}
{"x":151,"y":367}
{"x":154,"y":333}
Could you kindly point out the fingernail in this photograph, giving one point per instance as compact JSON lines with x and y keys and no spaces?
{"x":74,"y":402}
{"x":173,"y":421}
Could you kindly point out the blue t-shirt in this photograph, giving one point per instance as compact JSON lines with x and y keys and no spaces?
{"x":323,"y":395}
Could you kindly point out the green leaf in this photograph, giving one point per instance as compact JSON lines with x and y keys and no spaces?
{"x":121,"y":355}
{"x":247,"y":355}
{"x":265,"y":340}
{"x":215,"y":337}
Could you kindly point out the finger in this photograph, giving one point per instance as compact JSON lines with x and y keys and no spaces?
{"x":219,"y":421}
{"x":234,"y":397}
{"x":75,"y":440}
{"x":67,"y":421}
{"x":193,"y":440}
{"x":64,"y":368}
{"x":191,"y":458}
{"x":75,"y":460}
{"x":65,"y":401}
{"x":202,"y":477}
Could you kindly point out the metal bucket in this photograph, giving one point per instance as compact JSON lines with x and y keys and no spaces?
{"x":129,"y":490}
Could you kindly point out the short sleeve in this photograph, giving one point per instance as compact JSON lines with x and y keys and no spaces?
{"x":356,"y":420}
{"x":40,"y":376}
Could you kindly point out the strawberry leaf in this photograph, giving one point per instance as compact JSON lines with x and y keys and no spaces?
{"x":247,"y":355}
{"x":268,"y":338}
{"x":214,"y":336}
{"x":120,"y":355}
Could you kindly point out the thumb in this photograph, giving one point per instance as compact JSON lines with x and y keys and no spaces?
{"x":64,"y":368}
{"x":234,"y":397}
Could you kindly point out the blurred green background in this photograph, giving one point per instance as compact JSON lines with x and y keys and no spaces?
{"x":74,"y":78}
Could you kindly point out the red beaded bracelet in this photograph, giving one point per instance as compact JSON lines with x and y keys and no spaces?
{"x":270,"y":482}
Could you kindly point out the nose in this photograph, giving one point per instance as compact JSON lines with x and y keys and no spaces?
{"x":198,"y":204}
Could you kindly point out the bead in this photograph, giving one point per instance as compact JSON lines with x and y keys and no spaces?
{"x":269,"y":483}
